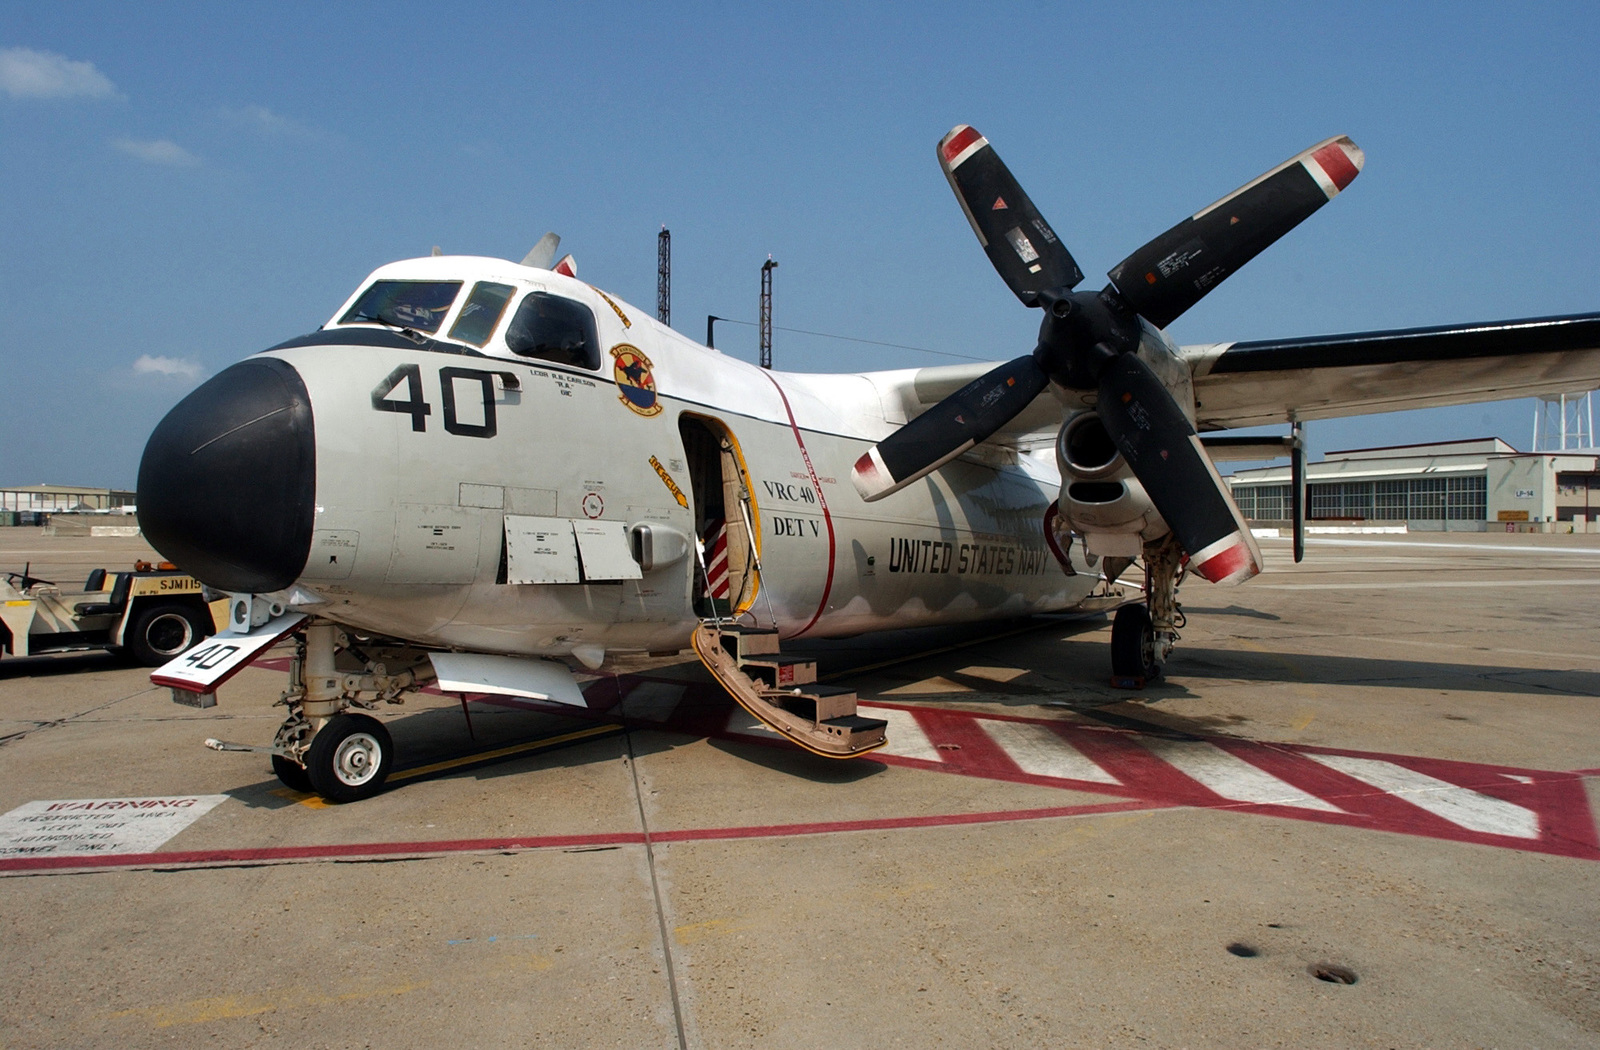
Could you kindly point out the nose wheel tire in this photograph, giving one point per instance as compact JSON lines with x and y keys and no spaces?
{"x":1133,"y":648}
{"x":163,"y":632}
{"x":292,"y":774}
{"x":349,"y":759}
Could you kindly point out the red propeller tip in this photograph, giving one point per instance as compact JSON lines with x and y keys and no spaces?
{"x":957,"y":143}
{"x":1229,"y":560}
{"x":1338,"y":163}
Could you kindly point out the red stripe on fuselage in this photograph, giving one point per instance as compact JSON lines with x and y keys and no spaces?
{"x":822,"y":500}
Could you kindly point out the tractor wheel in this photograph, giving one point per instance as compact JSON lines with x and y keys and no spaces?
{"x":163,"y":631}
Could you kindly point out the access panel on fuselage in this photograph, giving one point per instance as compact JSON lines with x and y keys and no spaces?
{"x":423,"y":490}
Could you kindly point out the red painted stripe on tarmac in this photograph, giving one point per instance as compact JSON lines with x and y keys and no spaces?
{"x":359,"y":851}
{"x":1559,"y":799}
{"x":1566,"y":825}
{"x":964,"y":742}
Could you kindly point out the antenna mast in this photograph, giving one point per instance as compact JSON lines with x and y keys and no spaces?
{"x":766,"y":311}
{"x":664,"y":276}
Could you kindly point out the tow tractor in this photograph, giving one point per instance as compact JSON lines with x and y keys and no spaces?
{"x":153,"y":613}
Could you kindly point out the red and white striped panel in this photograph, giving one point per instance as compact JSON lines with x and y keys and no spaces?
{"x":716,"y":544}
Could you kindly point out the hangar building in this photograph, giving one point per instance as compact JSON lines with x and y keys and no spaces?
{"x":32,"y":504}
{"x":1453,"y":486}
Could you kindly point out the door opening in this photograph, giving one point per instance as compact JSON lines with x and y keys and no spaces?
{"x":724,"y":514}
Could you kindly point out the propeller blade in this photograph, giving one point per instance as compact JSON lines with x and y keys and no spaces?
{"x":1019,"y":242}
{"x":1164,"y":452}
{"x":1173,"y":272}
{"x":948,"y":429}
{"x":568,"y":266}
{"x":542,"y":254}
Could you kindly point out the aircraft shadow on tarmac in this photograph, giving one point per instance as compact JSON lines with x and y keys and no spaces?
{"x":440,"y":735}
{"x":13,"y":667}
{"x":791,"y":761}
{"x":1266,"y":666}
{"x":1231,"y":610}
{"x":1080,"y":676}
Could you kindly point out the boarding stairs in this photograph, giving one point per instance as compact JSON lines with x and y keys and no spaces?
{"x":783,"y":692}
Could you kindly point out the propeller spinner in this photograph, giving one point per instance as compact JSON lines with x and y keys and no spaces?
{"x":1089,"y":341}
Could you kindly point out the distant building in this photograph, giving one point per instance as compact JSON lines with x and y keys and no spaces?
{"x":1463,"y":486}
{"x":26,"y":503}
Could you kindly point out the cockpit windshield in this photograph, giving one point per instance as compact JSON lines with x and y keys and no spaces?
{"x":419,"y":305}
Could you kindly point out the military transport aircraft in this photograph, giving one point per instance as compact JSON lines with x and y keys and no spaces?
{"x":478,"y":470}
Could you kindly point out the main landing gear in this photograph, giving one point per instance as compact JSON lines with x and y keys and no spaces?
{"x":323,"y":746}
{"x":1143,"y":636}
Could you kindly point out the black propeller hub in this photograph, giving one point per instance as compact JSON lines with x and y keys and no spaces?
{"x":1081,"y":334}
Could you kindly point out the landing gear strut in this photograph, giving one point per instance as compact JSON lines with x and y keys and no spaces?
{"x":322,"y":747}
{"x":1143,"y":636}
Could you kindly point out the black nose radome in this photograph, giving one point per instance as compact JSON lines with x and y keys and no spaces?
{"x":228,"y":482}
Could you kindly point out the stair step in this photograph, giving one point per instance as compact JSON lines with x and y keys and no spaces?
{"x":856,"y":722}
{"x":819,"y":703}
{"x":780,"y":671}
{"x":820,"y":718}
{"x":745,"y":642}
{"x":858,"y":730}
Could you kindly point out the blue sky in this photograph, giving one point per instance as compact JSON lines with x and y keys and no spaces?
{"x":186,"y":184}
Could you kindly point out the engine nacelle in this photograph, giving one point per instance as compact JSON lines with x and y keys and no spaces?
{"x":1100,"y":497}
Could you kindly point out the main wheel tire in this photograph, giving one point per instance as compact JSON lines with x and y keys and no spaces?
{"x":162,"y":632}
{"x":292,"y":774}
{"x":1133,"y":647}
{"x":350,"y":758}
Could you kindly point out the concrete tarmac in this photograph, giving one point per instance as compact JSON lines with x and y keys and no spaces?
{"x":1378,"y":765}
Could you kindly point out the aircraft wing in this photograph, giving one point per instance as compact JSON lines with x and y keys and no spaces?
{"x":911,"y":392}
{"x":1270,"y":381}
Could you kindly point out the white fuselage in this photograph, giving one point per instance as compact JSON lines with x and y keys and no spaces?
{"x":412,"y":509}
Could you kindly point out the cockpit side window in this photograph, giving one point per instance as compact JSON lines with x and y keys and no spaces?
{"x":554,"y":329}
{"x":478,"y":318}
{"x":419,"y":305}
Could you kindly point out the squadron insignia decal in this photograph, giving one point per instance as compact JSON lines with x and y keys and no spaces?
{"x":636,"y":384}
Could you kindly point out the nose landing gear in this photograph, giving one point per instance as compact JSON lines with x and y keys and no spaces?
{"x":321,"y":746}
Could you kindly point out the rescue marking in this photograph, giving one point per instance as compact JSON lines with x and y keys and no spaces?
{"x":672,"y":486}
{"x":615,"y":308}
